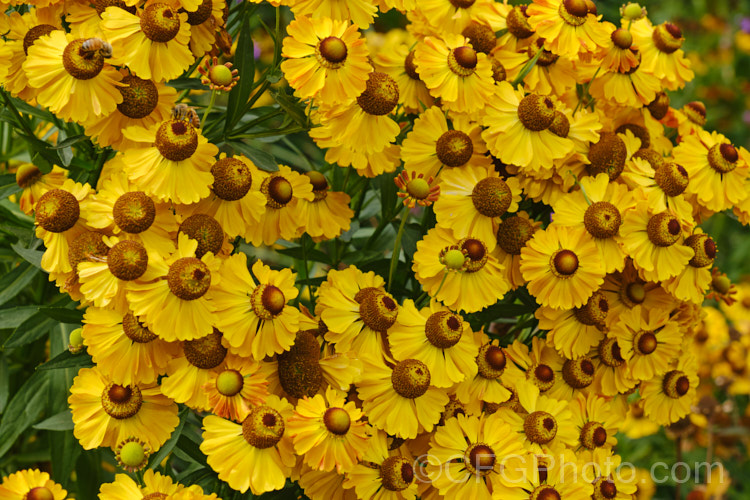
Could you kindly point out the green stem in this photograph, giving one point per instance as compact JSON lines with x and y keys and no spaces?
{"x":425,"y":295}
{"x":17,"y":115}
{"x":397,"y":248}
{"x":527,"y":67}
{"x":346,"y":178}
{"x":585,"y":91}
{"x":209,"y":108}
{"x":305,"y":272}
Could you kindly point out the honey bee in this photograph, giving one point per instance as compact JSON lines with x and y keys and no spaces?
{"x":184,"y":112}
{"x":96,"y":44}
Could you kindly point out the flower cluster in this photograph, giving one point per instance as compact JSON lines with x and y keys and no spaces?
{"x":537,"y":144}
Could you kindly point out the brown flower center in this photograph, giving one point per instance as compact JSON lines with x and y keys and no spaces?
{"x":319,"y":184}
{"x":604,"y":489}
{"x":513,"y":233}
{"x":477,"y":254}
{"x":696,"y":112}
{"x":409,"y":67}
{"x":201,"y":14}
{"x":645,"y":342}
{"x":480,"y":459}
{"x":229,"y":383}
{"x":121,"y":402}
{"x":723,"y":158}
{"x":134,"y":212}
{"x":81,"y":62}
{"x":654,"y":159}
{"x":564,"y":263}
{"x":268,"y":301}
{"x":667,"y":37}
{"x":189,"y":278}
{"x":380,"y":96}
{"x":672,"y":179}
{"x":39,"y":493}
{"x":443,"y":329}
{"x":491,"y":361}
{"x":622,"y":38}
{"x":491,"y":197}
{"x":135,"y":331}
{"x":127,"y":260}
{"x":659,"y":106}
{"x":299,"y":371}
{"x":410,"y":378}
{"x":676,"y":384}
{"x":480,"y":36}
{"x":333,"y":50}
{"x":463,"y":61}
{"x":544,"y":492}
{"x":593,"y":435}
{"x":574,"y":12}
{"x":518,"y":23}
{"x":176,"y":140}
{"x":602,"y":220}
{"x":160,"y":22}
{"x":704,"y":248}
{"x":86,"y":245}
{"x":206,"y":231}
{"x":34,"y":34}
{"x":594,"y":312}
{"x":263,"y":427}
{"x":396,"y":473}
{"x":377,"y":308}
{"x":560,"y":125}
{"x":454,"y":148}
{"x":337,"y":421}
{"x":663,"y":229}
{"x":232,"y":179}
{"x":536,"y":112}
{"x":279,"y":191}
{"x":540,"y":427}
{"x":578,"y":373}
{"x":57,"y":211}
{"x":542,"y":375}
{"x":206,"y":352}
{"x":139,"y":97}
{"x":607,"y":156}
{"x":609,"y":352}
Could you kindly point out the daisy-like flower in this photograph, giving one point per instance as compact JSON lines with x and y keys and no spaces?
{"x":540,"y":365}
{"x":123,"y":349}
{"x":218,"y":76}
{"x":576,"y":375}
{"x":105,"y":413}
{"x":663,"y":186}
{"x":416,"y":190}
{"x":563,"y":267}
{"x":667,"y":397}
{"x":254,"y":316}
{"x":486,"y":386}
{"x":543,"y":478}
{"x":34,"y":184}
{"x":625,"y":290}
{"x":696,"y":278}
{"x":649,"y":341}
{"x":520,"y":129}
{"x":437,"y":337}
{"x":155,"y":485}
{"x":145,"y":103}
{"x":617,"y":55}
{"x":597,"y":420}
{"x":434,"y":144}
{"x":325,"y":59}
{"x":448,"y":267}
{"x":397,"y":61}
{"x":663,"y":56}
{"x":653,"y":241}
{"x":58,"y":222}
{"x":320,"y":485}
{"x":400,"y":400}
{"x":634,"y":87}
{"x":141,"y":41}
{"x":234,"y":389}
{"x":573,"y":332}
{"x":722,"y":289}
{"x":31,"y":484}
{"x":467,"y":455}
{"x":284,"y":191}
{"x":454,"y":72}
{"x":545,"y":423}
{"x":132,"y":454}
{"x":551,"y":73}
{"x":328,"y":432}
{"x":569,"y":27}
{"x":717,"y":169}
{"x":260,"y":442}
{"x":612,"y":375}
{"x":205,"y":22}
{"x":328,"y":214}
{"x":174,"y":298}
{"x":472,"y":201}
{"x":71,"y":77}
{"x":172,"y":161}
{"x":360,"y":12}
{"x":512,"y":234}
{"x":598,"y":207}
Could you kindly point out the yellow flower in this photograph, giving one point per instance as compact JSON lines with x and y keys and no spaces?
{"x":664,"y":190}
{"x":597,"y":420}
{"x":551,"y":74}
{"x":34,"y":184}
{"x":328,"y":214}
{"x":233,"y":389}
{"x":667,"y":397}
{"x":568,"y":27}
{"x":625,"y":290}
{"x":155,"y":485}
{"x":696,"y":278}
{"x":512,"y":235}
{"x":205,"y":20}
{"x":360,"y":12}
{"x":487,"y":385}
{"x":31,"y":484}
{"x":573,"y":332}
{"x":612,"y":375}
{"x":397,"y":61}
{"x":662,"y":53}
{"x":564,"y":478}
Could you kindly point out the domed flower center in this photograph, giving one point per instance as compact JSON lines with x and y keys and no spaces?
{"x":201,"y":14}
{"x":83,"y":58}
{"x":477,"y":253}
{"x":299,"y":371}
{"x":498,"y":71}
{"x":410,"y":378}
{"x":135,"y":331}
{"x":39,"y":493}
{"x":542,"y":375}
{"x":27,"y":175}
{"x":452,"y":409}
{"x":206,"y":352}
{"x":604,"y":489}
{"x":319,"y":184}
{"x":659,"y":106}
{"x":337,"y":421}
{"x":454,"y":148}
{"x":672,"y":179}
{"x":540,"y":427}
{"x":409,"y":67}
{"x":704,"y":248}
{"x":594,"y":312}
{"x":622,"y":38}
{"x":278,"y":191}
{"x":667,"y":37}
{"x":480,"y":459}
{"x":333,"y":51}
{"x":602,"y":219}
{"x":155,"y":496}
{"x":645,"y":342}
{"x":491,"y":197}
{"x":723,"y":158}
{"x":418,"y":188}
{"x":513,"y":233}
{"x":578,"y":373}
{"x":263,"y":427}
{"x":676,"y":384}
{"x":134,"y":212}
{"x":121,"y":402}
{"x":574,"y":12}
{"x":206,"y":231}
{"x":544,"y":492}
{"x":633,"y":294}
{"x":564,"y":263}
{"x":139,"y":97}
{"x":609,"y":352}
{"x":34,"y":34}
{"x":377,"y":308}
{"x":536,"y":112}
{"x":229,"y":383}
{"x":87,"y":245}
{"x":176,"y":140}
{"x":443,"y":329}
{"x":189,"y":278}
{"x":462,"y":4}
{"x":546,"y":58}
{"x":654,"y":159}
{"x":232,"y":179}
{"x":453,"y":258}
{"x":160,"y":22}
{"x":380,"y":96}
{"x":127,"y":260}
{"x":132,"y":455}
{"x":396,"y":473}
{"x":268,"y":301}
{"x":101,"y":5}
{"x":663,"y":229}
{"x":491,"y":361}
{"x":593,"y":435}
{"x":518,"y":23}
{"x":480,"y":36}
{"x":57,"y":211}
{"x":607,"y":156}
{"x":696,"y":112}
{"x":560,"y":125}
{"x":463,"y":61}
{"x":638,"y":131}
{"x":721,"y":284}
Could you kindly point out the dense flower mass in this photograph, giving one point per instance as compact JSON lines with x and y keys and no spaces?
{"x":501,"y":212}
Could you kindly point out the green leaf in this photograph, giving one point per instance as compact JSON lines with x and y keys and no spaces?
{"x":89,"y":473}
{"x":24,"y":410}
{"x":274,"y":75}
{"x":12,"y":283}
{"x":62,"y":421}
{"x":63,"y":314}
{"x":291,"y":105}
{"x":264,"y":161}
{"x":191,"y":448}
{"x":33,"y":257}
{"x":4,"y":383}
{"x":187,"y":83}
{"x":412,"y":234}
{"x":312,"y":254}
{"x":29,"y":331}
{"x":8,"y":185}
{"x":67,"y":359}
{"x":244,"y":63}
{"x":167,"y":447}
{"x":69,"y":142}
{"x":14,"y":316}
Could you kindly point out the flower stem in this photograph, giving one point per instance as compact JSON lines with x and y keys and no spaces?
{"x":528,"y":67}
{"x":208,"y":109}
{"x":585,"y":91}
{"x":397,"y":248}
